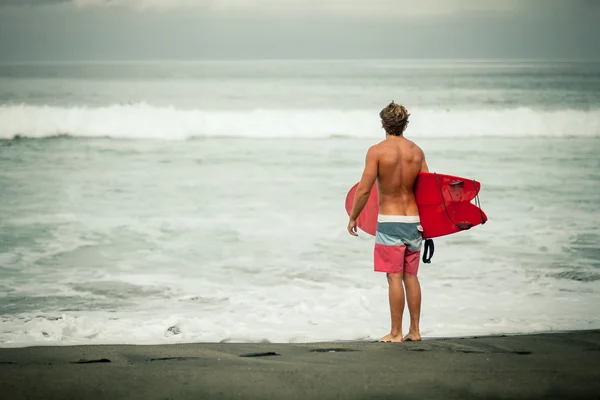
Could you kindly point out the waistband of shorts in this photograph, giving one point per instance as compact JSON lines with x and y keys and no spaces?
{"x":407,"y":219}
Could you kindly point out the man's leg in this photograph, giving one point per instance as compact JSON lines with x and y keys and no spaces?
{"x":389,"y":258}
{"x":396,"y":297}
{"x":413,"y":293}
{"x":413,"y":298}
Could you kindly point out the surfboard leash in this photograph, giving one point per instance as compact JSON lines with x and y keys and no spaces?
{"x":429,"y":247}
{"x":478,"y":202}
{"x":428,"y":251}
{"x":462,"y":226}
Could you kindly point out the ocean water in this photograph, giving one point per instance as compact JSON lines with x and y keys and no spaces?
{"x":204,"y":201}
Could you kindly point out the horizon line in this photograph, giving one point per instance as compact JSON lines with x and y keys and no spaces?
{"x":300,"y":59}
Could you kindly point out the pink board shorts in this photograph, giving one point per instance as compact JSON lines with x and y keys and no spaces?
{"x":398,"y":243}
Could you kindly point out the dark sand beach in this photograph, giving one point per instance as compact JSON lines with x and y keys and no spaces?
{"x":552,"y":365}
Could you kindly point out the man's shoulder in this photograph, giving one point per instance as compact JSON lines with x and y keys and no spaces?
{"x":384,"y":144}
{"x":376,"y":148}
{"x":414,"y":146}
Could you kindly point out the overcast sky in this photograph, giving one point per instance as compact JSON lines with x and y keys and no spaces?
{"x":60,"y":30}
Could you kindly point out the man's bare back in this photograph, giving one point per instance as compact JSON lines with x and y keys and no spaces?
{"x":400,"y":161}
{"x":395,"y":164}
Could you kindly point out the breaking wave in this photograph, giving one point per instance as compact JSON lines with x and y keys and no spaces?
{"x":143,"y":121}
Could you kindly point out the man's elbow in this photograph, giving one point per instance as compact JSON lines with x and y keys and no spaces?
{"x":363,"y":191}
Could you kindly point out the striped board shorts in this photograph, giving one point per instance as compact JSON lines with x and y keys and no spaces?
{"x":398,"y":242}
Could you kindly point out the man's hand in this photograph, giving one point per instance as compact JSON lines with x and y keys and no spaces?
{"x":352,"y":227}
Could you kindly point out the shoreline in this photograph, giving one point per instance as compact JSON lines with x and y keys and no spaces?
{"x":43,"y":344}
{"x":539,"y":365}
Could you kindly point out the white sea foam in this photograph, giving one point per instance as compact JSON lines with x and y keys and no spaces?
{"x":143,"y":121}
{"x":186,"y":251}
{"x":295,"y":313}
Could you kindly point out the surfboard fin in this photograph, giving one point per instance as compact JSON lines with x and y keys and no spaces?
{"x":464,"y":225}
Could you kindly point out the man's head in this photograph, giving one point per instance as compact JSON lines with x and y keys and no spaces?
{"x":394,"y":119}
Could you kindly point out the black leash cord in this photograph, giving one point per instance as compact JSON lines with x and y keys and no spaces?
{"x":428,"y":251}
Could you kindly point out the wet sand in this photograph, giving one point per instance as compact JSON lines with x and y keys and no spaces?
{"x":551,"y":366}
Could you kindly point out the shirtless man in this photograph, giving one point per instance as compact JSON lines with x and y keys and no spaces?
{"x":395,"y":163}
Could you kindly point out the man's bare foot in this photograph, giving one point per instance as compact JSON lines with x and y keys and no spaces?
{"x":412,"y":337}
{"x":391,"y":338}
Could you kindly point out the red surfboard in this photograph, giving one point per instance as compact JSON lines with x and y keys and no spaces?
{"x":444,"y":203}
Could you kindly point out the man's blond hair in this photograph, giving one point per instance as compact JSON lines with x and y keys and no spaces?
{"x":394,"y":119}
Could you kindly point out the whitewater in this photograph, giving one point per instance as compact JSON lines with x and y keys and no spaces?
{"x":144,"y":121}
{"x":203,"y":202}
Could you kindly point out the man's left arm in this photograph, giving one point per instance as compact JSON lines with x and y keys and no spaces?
{"x":364,"y":187}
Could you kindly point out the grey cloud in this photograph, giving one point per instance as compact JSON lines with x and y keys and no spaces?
{"x":361,"y":8}
{"x":533,"y":29}
{"x":294,"y":7}
{"x":31,"y":2}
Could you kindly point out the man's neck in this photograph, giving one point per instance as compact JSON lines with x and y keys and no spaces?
{"x":393,"y":137}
